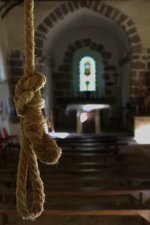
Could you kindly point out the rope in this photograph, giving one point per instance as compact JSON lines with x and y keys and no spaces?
{"x":29,"y":36}
{"x":35,"y":144}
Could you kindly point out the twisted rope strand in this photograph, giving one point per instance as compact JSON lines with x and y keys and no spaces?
{"x":29,"y":36}
{"x":35,"y":142}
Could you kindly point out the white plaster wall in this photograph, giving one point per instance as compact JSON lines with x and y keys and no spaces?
{"x":4,"y":89}
{"x":58,"y":47}
{"x":14,"y":22}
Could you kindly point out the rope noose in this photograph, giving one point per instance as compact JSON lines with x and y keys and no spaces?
{"x":35,"y":142}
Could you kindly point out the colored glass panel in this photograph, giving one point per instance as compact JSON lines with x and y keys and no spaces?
{"x":87,"y":74}
{"x":87,"y":68}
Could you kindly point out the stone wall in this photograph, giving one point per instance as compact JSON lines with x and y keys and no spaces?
{"x":140,"y":74}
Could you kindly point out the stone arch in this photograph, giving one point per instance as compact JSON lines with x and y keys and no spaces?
{"x":58,"y":14}
{"x":99,"y":7}
{"x":63,"y":77}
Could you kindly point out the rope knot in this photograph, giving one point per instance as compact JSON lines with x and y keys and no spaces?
{"x":36,"y":143}
{"x":26,"y":93}
{"x":29,"y":102}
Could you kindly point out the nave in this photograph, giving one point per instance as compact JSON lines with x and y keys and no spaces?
{"x":99,"y":178}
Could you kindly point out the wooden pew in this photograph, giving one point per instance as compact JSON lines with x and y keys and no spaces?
{"x":107,"y":143}
{"x":83,"y":176}
{"x":87,"y":179}
{"x":87,"y":209}
{"x":143,"y":212}
{"x":142,"y":194}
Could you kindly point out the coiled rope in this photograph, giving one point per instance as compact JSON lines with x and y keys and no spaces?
{"x":36,"y":143}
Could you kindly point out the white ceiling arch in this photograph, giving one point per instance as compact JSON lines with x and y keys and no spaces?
{"x":85,"y":21}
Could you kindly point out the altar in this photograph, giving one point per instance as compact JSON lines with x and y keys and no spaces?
{"x":83,"y":108}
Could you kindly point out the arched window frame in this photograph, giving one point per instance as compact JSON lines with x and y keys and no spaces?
{"x":100,"y":82}
{"x":87,"y":74}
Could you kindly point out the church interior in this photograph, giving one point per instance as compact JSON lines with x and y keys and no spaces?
{"x":95,"y":55}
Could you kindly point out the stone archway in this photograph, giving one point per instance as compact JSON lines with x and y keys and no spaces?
{"x":63,"y":77}
{"x":120,"y":19}
{"x":98,"y":7}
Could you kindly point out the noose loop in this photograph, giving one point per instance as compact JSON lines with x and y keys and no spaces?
{"x":36,"y":143}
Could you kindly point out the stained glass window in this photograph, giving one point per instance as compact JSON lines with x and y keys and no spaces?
{"x":87,"y":74}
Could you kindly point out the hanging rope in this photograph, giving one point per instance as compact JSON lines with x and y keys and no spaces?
{"x":35,"y":142}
